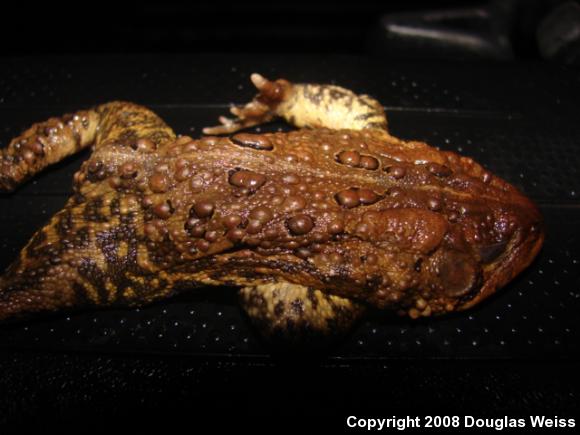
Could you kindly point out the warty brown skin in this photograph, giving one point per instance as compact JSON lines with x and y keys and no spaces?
{"x":314,"y":225}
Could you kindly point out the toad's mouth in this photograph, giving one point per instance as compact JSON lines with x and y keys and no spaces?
{"x":517,"y":255}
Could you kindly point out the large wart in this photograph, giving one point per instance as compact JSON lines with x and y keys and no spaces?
{"x":313,"y":226}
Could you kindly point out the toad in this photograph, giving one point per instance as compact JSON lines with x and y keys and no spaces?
{"x":311,"y":227}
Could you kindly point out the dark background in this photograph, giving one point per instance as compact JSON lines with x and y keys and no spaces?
{"x":508,"y":98}
{"x":200,"y":26}
{"x":353,"y":27}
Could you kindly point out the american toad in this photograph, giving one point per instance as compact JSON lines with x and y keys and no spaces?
{"x":311,"y":226}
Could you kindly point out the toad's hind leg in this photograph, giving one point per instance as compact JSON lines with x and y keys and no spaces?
{"x":92,"y":252}
{"x":295,"y":313}
{"x":305,"y":105}
{"x":49,"y":142}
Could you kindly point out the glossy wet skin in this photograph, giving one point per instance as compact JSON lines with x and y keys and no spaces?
{"x":302,"y":207}
{"x":313,"y":224}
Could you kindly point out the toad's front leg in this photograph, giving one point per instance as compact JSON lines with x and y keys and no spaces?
{"x":304,"y":105}
{"x":295,"y":314}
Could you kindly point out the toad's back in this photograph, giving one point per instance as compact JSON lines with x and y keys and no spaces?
{"x":358,"y":213}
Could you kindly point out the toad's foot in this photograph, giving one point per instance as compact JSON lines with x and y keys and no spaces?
{"x":260,"y":110}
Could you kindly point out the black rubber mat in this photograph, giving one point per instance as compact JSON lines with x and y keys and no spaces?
{"x":517,"y":120}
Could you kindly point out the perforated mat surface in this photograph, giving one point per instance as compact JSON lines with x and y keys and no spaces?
{"x":519,"y":121}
